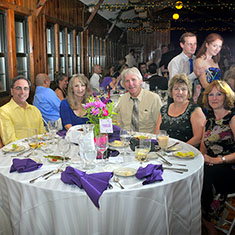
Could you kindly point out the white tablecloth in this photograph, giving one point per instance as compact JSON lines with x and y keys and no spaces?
{"x":52,"y":207}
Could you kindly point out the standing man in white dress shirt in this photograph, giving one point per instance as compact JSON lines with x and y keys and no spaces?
{"x":183,"y":63}
{"x":95,"y":78}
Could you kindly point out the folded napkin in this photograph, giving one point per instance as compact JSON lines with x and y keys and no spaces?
{"x":93,"y":184}
{"x":24,"y":165}
{"x":61,"y":133}
{"x":115,"y":135}
{"x":151,"y":172}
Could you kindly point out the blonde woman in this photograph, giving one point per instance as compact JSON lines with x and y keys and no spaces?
{"x":181,"y":119}
{"x":71,"y":109}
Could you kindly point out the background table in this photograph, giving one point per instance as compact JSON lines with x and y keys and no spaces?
{"x":52,"y":207}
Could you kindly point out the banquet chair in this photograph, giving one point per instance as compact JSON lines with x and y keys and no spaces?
{"x":223,"y":219}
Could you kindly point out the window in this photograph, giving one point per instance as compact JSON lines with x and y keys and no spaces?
{"x":89,"y":54}
{"x":102,"y":53}
{"x":70,"y":53}
{"x":21,"y":46}
{"x":51,"y":51}
{"x":3,"y":55}
{"x":62,"y":50}
{"x":78,"y":52}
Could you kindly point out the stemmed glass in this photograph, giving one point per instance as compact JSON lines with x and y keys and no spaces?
{"x":101,"y":144}
{"x":90,"y":156}
{"x":63,"y":147}
{"x":33,"y":139}
{"x":52,"y":128}
{"x":125,"y":137}
{"x":142,"y":150}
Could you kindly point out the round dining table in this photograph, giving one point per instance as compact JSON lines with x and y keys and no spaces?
{"x":171,"y":206}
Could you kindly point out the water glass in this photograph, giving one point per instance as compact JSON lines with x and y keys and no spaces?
{"x":33,"y":139}
{"x":125,"y":136}
{"x":63,"y":147}
{"x":163,"y":139}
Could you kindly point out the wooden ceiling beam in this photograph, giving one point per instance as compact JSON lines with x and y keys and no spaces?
{"x":93,"y":14}
{"x":39,"y":6}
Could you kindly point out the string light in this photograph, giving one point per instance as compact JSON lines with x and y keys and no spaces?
{"x":178,"y":5}
{"x":176,"y":16}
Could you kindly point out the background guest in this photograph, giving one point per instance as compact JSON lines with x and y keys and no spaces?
{"x":155,"y":80}
{"x":17,"y":115}
{"x":218,"y":149}
{"x":143,"y":70}
{"x":183,"y":63}
{"x":182,"y":119}
{"x":206,"y":65}
{"x":61,"y":85}
{"x":229,"y":77}
{"x":71,"y":109}
{"x":130,"y":59}
{"x":96,"y":77}
{"x":45,"y":99}
{"x":138,"y":108}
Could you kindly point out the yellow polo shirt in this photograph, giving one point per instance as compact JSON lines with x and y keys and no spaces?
{"x":15,"y":121}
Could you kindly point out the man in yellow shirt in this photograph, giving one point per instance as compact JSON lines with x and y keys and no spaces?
{"x":17,"y":115}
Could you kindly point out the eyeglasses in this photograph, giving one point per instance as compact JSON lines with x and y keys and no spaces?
{"x":19,"y":88}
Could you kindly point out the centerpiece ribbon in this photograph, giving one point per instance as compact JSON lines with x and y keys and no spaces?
{"x":94,"y":184}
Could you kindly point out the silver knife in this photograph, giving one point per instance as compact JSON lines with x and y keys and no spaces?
{"x":48,"y":173}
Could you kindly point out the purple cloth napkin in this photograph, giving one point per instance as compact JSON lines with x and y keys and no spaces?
{"x":151,"y":172}
{"x":24,"y":165}
{"x":116,"y":134}
{"x":93,"y":184}
{"x":61,"y":133}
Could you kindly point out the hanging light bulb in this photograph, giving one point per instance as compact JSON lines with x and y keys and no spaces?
{"x":176,"y":16}
{"x":178,"y":5}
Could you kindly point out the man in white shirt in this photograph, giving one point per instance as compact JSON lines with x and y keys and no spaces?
{"x":95,"y":78}
{"x":183,"y":63}
{"x":130,"y":59}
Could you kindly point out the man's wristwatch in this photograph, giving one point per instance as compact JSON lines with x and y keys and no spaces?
{"x":223,"y":158}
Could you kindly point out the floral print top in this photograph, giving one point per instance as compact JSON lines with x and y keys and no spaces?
{"x":219,"y":139}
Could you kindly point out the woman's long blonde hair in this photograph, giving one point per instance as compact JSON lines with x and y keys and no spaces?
{"x":83,"y":80}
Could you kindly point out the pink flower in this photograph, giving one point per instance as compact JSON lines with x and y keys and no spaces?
{"x":95,"y":111}
{"x":105,"y":112}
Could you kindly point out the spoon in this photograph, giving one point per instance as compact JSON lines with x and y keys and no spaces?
{"x":116,"y":179}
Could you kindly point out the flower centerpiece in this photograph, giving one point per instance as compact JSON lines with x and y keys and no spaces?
{"x":98,"y":108}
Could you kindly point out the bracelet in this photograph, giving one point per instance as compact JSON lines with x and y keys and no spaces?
{"x":223,"y":158}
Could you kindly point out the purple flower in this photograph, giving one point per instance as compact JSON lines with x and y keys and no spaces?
{"x":95,"y":111}
{"x":99,"y":104}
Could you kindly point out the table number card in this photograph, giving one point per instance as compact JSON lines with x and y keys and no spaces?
{"x":106,"y":125}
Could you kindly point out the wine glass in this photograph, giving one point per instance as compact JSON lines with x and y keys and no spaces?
{"x":33,"y":139}
{"x":52,"y":128}
{"x":125,"y":136}
{"x":63,"y":147}
{"x":142,"y":150}
{"x":101,"y":144}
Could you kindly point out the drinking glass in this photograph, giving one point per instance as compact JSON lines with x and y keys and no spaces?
{"x":33,"y":139}
{"x":52,"y":128}
{"x":142,"y":150}
{"x":63,"y":147}
{"x":102,"y":91}
{"x":101,"y":144}
{"x":162,"y":138}
{"x":90,"y":156}
{"x":125,"y":136}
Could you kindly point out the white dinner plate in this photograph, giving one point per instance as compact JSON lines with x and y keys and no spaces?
{"x":12,"y":149}
{"x":118,"y":144}
{"x":125,"y":171}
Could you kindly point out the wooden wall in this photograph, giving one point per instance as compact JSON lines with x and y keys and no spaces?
{"x":72,"y":15}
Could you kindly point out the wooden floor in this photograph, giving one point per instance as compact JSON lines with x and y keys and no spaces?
{"x":230,"y":218}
